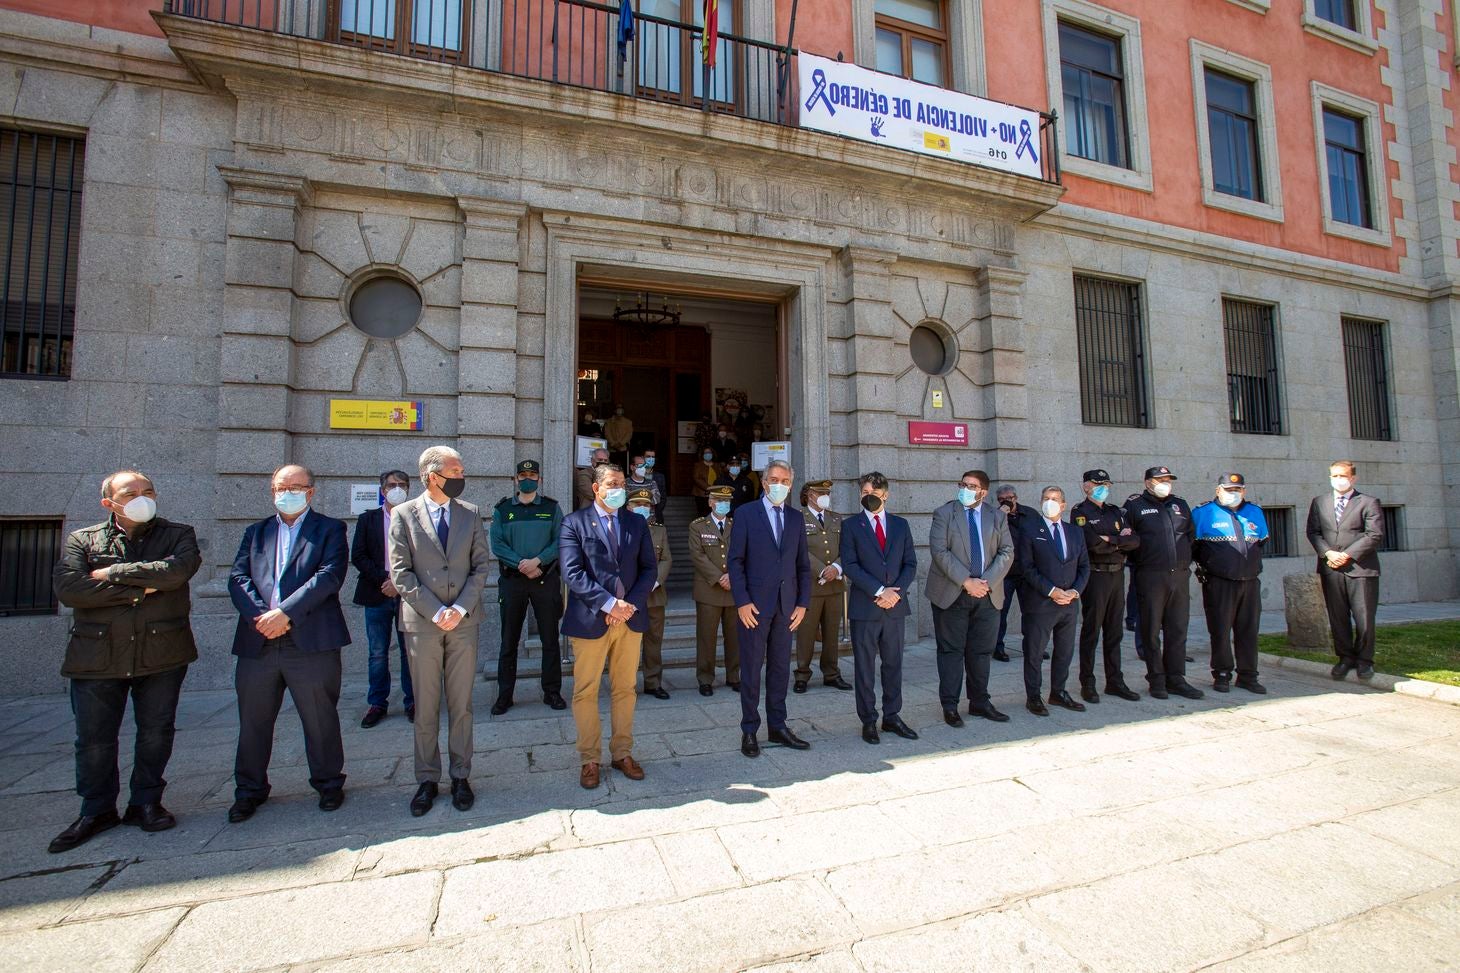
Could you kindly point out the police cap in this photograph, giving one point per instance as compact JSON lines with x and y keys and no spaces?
{"x":721,"y":493}
{"x":1096,"y":476}
{"x":1156,"y":471}
{"x":1231,"y":480}
{"x":529,"y":466}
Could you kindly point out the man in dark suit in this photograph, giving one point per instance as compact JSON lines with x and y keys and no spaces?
{"x":608,"y":565}
{"x":1054,"y":568}
{"x":1346,"y":529}
{"x":770,"y":579}
{"x":377,"y":594}
{"x":880,"y":564}
{"x":1018,"y":516}
{"x":285,"y":584}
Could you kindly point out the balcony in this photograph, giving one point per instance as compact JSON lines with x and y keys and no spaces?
{"x":573,"y":43}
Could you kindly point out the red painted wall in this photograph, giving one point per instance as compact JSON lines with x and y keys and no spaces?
{"x":129,"y":15}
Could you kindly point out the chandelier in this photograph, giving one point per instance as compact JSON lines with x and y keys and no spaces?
{"x":644,"y":312}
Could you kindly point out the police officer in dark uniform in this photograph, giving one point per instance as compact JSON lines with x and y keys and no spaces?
{"x":1021,"y":517}
{"x":1107,"y":538}
{"x":524,"y":540}
{"x":1230,"y":534}
{"x":1162,"y":522}
{"x":741,"y":482}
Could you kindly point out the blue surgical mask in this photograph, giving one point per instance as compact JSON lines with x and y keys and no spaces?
{"x":1100,"y":494}
{"x":289,"y":503}
{"x":778,"y":492}
{"x":649,"y":462}
{"x":527,"y":486}
{"x":734,"y":471}
{"x":613,"y":499}
{"x":967,"y":497}
{"x":722,"y":508}
{"x":643,"y":511}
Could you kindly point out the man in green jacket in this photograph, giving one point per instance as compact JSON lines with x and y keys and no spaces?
{"x":524,"y":538}
{"x":126,"y":580}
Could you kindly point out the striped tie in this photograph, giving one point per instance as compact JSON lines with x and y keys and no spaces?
{"x":1338,"y":506}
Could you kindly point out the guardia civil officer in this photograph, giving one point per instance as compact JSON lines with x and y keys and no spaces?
{"x":1162,"y":522}
{"x":641,"y":502}
{"x":1107,"y":539}
{"x":1230,"y":534}
{"x":524,"y":539}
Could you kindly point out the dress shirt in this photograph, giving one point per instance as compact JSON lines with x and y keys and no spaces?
{"x":435,"y":512}
{"x":284,"y":540}
{"x":1060,"y":542}
{"x":609,"y":521}
{"x":976,"y":511}
{"x":873,"y":519}
{"x":770,"y":515}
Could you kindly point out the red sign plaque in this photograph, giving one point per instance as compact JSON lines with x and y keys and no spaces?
{"x":937,"y":433}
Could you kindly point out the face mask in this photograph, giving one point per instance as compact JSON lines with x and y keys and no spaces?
{"x":734,"y":471}
{"x":1341,"y":484}
{"x":643,"y":511}
{"x":396,"y":496}
{"x":967,"y":497}
{"x":708,"y":457}
{"x":824,"y":501}
{"x":1100,"y":494}
{"x":639,"y":471}
{"x":618,"y":412}
{"x":722,"y":508}
{"x":1162,"y":490}
{"x":649,"y":462}
{"x":872,"y":503}
{"x":452,"y":486}
{"x":778,"y":492}
{"x":723,"y":435}
{"x":1051,"y":508}
{"x":613,"y":499}
{"x":139,"y":510}
{"x":289,"y":504}
{"x":527,"y":486}
{"x":1229,"y":498}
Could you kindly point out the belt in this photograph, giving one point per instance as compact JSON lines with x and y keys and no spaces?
{"x":548,"y":572}
{"x":1097,"y":566}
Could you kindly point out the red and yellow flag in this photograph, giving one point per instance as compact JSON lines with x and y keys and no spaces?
{"x":712,"y":31}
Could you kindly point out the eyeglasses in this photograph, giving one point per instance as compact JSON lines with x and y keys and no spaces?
{"x":293,"y":489}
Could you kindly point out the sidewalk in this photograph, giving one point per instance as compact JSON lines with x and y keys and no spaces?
{"x":1313,"y":828}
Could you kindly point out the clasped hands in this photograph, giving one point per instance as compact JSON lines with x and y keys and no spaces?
{"x":748,"y":617}
{"x":976,"y":587}
{"x":272,"y":623}
{"x":1063,"y":596}
{"x":1337,"y":559}
{"x":889,"y":598}
{"x":621,"y":612}
{"x":530,"y":567}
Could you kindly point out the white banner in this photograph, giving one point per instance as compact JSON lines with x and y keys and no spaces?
{"x":845,"y":99}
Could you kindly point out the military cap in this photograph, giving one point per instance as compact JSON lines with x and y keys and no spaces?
{"x":721,"y":492}
{"x":818,"y":485}
{"x":1231,"y":480}
{"x":642,"y":493}
{"x":529,"y":466}
{"x":1096,"y":476}
{"x":1156,"y":471}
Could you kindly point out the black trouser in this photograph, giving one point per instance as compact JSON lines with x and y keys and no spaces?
{"x":1234,"y":611}
{"x":1351,"y":604}
{"x":1054,"y":620}
{"x":99,"y":705}
{"x":313,"y":681}
{"x":965,"y":632}
{"x":1011,"y":590}
{"x":545,"y":594}
{"x":1133,"y":615}
{"x":1165,"y":612}
{"x":1102,"y":607}
{"x":874,"y":640}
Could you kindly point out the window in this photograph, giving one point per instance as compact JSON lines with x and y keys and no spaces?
{"x":1351,"y":166}
{"x":1366,"y":365}
{"x":1345,"y":22}
{"x":29,"y":550}
{"x":1339,"y":12}
{"x":1236,"y":133}
{"x":1093,"y":84}
{"x":1279,"y":532}
{"x":1232,"y":129}
{"x":1348,"y":168}
{"x":1393,"y":529}
{"x":433,"y":27}
{"x":912,"y":40}
{"x":1112,"y":352}
{"x":1252,"y":367}
{"x":40,"y":236}
{"x":670,"y":62}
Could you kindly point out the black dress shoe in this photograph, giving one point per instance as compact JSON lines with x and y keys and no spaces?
{"x":951,"y":717}
{"x":658,"y":692}
{"x":373,"y":716}
{"x":331,"y":799}
{"x":243,"y":809}
{"x":411,"y":712}
{"x":869,"y":733}
{"x":1036,"y":706}
{"x":786,"y":738}
{"x":1186,"y":689}
{"x":749,"y":745}
{"x":149,"y":817}
{"x":554,"y":700}
{"x":1341,"y":670}
{"x":894,"y":724}
{"x":1001,"y":655}
{"x":1122,"y":690}
{"x":1222,"y":682}
{"x":800,"y":686}
{"x":425,"y":797}
{"x":734,"y":686}
{"x":1089,"y":695}
{"x":1251,"y":684}
{"x":988,"y":712}
{"x":501,"y":706}
{"x":1366,"y":671}
{"x":837,"y":682}
{"x":1190,"y":659}
{"x":706,"y":689}
{"x":1063,"y":698}
{"x":1159,"y":692}
{"x":462,"y":797}
{"x":83,"y":829}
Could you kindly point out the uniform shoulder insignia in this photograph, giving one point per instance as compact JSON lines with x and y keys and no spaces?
{"x":503,"y":502}
{"x":1079,"y":521}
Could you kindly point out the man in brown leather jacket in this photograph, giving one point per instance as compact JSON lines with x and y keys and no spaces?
{"x":126,"y":580}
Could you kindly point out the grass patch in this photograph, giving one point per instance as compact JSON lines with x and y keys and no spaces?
{"x":1420,"y":650}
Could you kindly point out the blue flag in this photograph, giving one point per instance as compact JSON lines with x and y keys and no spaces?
{"x":625,"y":25}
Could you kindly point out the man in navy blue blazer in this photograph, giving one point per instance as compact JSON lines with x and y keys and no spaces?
{"x":285,"y":584}
{"x":607,"y":562}
{"x":770,"y":579}
{"x":1054,"y":567}
{"x":880,"y":564}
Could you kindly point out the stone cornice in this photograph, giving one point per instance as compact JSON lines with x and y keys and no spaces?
{"x":61,"y":44}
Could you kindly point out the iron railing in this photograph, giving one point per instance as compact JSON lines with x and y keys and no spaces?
{"x":1111,"y":342}
{"x":1252,"y":368}
{"x":568,"y":42}
{"x":29,"y":550}
{"x":1366,"y":366}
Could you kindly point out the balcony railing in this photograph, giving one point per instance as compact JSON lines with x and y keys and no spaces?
{"x":568,"y":42}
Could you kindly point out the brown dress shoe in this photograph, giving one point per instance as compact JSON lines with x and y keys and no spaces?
{"x":588,"y":776}
{"x":628,"y":768}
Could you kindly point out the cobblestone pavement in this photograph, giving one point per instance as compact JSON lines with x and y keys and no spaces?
{"x":1314,"y":828}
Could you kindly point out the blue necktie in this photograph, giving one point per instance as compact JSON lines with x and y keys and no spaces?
{"x":1059,"y":540}
{"x":443,"y":530}
{"x":975,"y":546}
{"x":780,"y":525}
{"x":612,"y":536}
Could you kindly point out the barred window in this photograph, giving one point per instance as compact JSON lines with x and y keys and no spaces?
{"x":1111,"y":340}
{"x":1366,"y":365}
{"x":1252,"y":367}
{"x":29,"y":549}
{"x":1393,"y":529}
{"x":40,"y":236}
{"x":1280,"y":541}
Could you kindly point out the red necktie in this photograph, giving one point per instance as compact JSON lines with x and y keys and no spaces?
{"x":881,"y":534}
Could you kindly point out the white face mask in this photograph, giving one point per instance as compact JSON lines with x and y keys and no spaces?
{"x":1341,"y":484}
{"x":640,"y":471}
{"x":396,"y":496}
{"x":1051,"y":508}
{"x":824,"y":501}
{"x":139,"y":510}
{"x":1162,"y":490}
{"x":1229,"y":498}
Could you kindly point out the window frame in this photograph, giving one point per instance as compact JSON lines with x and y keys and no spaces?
{"x":41,"y":571}
{"x":402,"y":44}
{"x":691,"y":65}
{"x":1360,"y":39}
{"x":1277,"y":401}
{"x":1204,"y":56}
{"x":1369,"y":112}
{"x":1289,"y":519}
{"x":1394,"y":538}
{"x":908,"y":30}
{"x":1127,"y":30}
{"x":1117,"y":81}
{"x":1384,"y":397}
{"x":1141,"y":403}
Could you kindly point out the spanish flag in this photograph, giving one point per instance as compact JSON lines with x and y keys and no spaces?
{"x":712,"y":31}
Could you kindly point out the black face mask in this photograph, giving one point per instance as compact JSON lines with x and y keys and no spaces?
{"x":872,"y":503}
{"x":452,"y":486}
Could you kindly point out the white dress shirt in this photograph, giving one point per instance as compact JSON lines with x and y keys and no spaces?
{"x":874,"y":519}
{"x":436,"y":512}
{"x":604,"y":514}
{"x":284,"y":540}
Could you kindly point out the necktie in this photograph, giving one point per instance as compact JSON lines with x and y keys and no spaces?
{"x":1338,"y":506}
{"x":881,"y":534}
{"x":443,"y":529}
{"x":975,"y":546}
{"x":780,"y":524}
{"x":283,"y":549}
{"x":1059,"y":540}
{"x":820,"y":521}
{"x":720,"y":526}
{"x":611,"y":535}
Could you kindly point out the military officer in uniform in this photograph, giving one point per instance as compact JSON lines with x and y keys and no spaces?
{"x":1162,"y":522}
{"x":524,"y":539}
{"x":641,"y":502}
{"x":709,"y":539}
{"x":1107,"y":538}
{"x":1230,"y":534}
{"x":828,"y":591}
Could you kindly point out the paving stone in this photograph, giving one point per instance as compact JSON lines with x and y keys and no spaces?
{"x":1383,"y":941}
{"x":32,"y":901}
{"x":831,"y":961}
{"x":1005,"y":941}
{"x":85,"y":947}
{"x":698,"y":862}
{"x":449,"y":844}
{"x":765,"y":850}
{"x":547,"y":947}
{"x":964,"y":813}
{"x":665,"y":815}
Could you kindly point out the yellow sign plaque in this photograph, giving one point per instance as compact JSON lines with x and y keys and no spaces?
{"x":390,"y":416}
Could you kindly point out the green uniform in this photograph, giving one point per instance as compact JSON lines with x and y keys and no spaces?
{"x":823,"y":546}
{"x":714,"y":605}
{"x":521,"y":531}
{"x":658,"y":598}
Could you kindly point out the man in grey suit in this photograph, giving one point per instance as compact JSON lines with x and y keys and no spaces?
{"x":1346,"y":529}
{"x":971,"y":550}
{"x":438,"y":562}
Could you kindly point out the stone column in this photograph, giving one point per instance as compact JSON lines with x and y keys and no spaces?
{"x":871,"y":359}
{"x":1000,"y":339}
